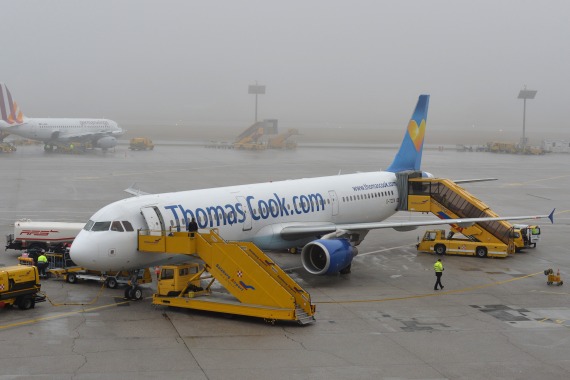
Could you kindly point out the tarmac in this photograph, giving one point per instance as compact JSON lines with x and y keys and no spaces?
{"x":495,"y":319}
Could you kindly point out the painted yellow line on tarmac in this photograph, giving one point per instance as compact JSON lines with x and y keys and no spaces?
{"x":534,"y":181}
{"x":439,"y":293}
{"x":62,"y":315}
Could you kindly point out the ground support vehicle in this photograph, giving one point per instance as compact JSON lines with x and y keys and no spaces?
{"x":20,"y":285}
{"x":6,"y":147}
{"x":447,"y":200}
{"x":256,"y":286}
{"x":553,"y":278}
{"x":435,"y":241}
{"x":141,"y":143}
{"x":526,"y":235}
{"x":111,"y":279}
{"x":42,"y":235}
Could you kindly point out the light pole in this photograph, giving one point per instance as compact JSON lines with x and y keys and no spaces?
{"x":525,"y":94}
{"x":257,"y":90}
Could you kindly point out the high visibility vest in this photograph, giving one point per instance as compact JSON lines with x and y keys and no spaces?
{"x":438,"y":266}
{"x":42,"y":259}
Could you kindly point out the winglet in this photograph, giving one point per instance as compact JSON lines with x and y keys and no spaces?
{"x":409,"y":157}
{"x":551,"y":216}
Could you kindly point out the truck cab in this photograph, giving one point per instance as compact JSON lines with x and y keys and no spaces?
{"x":525,"y":235}
{"x":175,"y":279}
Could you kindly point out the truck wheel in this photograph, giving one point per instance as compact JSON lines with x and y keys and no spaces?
{"x":481,"y":252}
{"x":71,"y":278}
{"x":440,"y":249}
{"x":112,"y":283}
{"x":26,"y":302}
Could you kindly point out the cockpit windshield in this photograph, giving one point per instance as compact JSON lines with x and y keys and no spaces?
{"x":118,"y":226}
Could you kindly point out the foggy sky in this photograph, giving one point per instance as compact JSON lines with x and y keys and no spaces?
{"x":325,"y":63}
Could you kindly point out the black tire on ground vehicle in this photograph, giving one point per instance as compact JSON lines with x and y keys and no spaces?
{"x":26,"y":302}
{"x":36,"y":246}
{"x":112,"y":283}
{"x":481,"y":251}
{"x":71,"y":278}
{"x":128,"y":292}
{"x":440,"y":249}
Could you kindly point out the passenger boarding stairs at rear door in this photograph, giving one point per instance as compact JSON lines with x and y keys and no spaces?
{"x":447,"y":200}
{"x":241,"y":268}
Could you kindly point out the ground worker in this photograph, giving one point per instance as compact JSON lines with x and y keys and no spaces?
{"x":42,"y":264}
{"x":192,"y":227}
{"x":438,"y":267}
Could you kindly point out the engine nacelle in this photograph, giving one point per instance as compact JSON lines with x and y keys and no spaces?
{"x":427,"y":175}
{"x":106,"y":142}
{"x":326,"y":256}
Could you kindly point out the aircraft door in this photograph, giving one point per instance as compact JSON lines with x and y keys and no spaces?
{"x":334,"y":202}
{"x":153,"y":219}
{"x":247,"y":223}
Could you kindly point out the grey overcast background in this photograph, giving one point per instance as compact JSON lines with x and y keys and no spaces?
{"x":335,"y":64}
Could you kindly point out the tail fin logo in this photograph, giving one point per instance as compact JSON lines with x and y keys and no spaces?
{"x":9,"y":109}
{"x":417,"y":133}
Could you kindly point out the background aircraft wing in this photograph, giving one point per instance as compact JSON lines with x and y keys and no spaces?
{"x":84,"y":136}
{"x":303,"y":231}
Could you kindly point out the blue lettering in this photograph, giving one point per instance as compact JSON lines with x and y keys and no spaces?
{"x":263,"y":209}
{"x":214,"y":213}
{"x":187,"y":214}
{"x":173,"y":210}
{"x":248,"y":199}
{"x":305,"y":204}
{"x":318,"y":200}
{"x":295,"y":205}
{"x":202,"y":219}
{"x":273,"y":208}
{"x":281,"y":202}
{"x":239,"y":210}
{"x":232,"y":217}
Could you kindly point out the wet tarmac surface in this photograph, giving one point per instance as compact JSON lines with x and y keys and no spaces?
{"x":496,"y":318}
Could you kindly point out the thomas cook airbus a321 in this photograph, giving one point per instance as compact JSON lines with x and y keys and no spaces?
{"x":327,"y":216}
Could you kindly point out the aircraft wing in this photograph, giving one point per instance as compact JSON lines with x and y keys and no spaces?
{"x":134,"y":191}
{"x":303,"y":231}
{"x":84,"y":136}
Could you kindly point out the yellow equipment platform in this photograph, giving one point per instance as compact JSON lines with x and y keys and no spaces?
{"x":258,"y":285}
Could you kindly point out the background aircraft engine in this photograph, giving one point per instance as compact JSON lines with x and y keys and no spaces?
{"x":327,"y":256}
{"x":106,"y":142}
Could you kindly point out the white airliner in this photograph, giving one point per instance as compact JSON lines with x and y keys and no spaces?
{"x":100,"y":133}
{"x":327,"y":216}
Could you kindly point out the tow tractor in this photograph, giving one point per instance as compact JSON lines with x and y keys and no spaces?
{"x":61,"y":266}
{"x":20,"y":285}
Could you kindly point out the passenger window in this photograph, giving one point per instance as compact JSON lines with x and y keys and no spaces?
{"x":128,"y":226}
{"x":101,"y":226}
{"x":116,"y":226}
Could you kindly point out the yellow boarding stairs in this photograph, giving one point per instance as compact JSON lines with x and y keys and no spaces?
{"x":447,"y":200}
{"x":261,"y":287}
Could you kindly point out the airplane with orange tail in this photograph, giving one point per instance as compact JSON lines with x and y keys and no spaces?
{"x":99,"y":133}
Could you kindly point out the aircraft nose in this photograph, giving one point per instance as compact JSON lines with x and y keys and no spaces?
{"x":83,"y":250}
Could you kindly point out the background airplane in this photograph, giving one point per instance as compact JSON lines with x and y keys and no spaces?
{"x":99,"y":133}
{"x":327,"y":216}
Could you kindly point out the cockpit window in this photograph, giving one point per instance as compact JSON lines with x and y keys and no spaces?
{"x":101,"y":226}
{"x":128,"y":226}
{"x":116,"y":226}
{"x":88,"y":226}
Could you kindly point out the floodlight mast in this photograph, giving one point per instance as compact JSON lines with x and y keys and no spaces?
{"x":525,"y":94}
{"x":257,"y":90}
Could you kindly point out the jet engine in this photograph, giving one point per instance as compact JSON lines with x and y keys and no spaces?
{"x":106,"y":142}
{"x":327,"y":256}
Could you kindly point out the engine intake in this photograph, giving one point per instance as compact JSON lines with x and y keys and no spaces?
{"x":327,"y":256}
